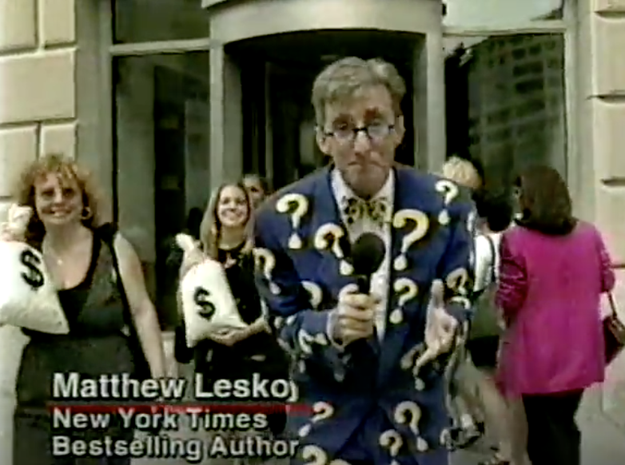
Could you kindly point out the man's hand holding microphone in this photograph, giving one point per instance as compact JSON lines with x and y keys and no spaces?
{"x":354,"y":317}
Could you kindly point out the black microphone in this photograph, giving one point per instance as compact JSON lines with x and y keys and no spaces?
{"x":367,"y":256}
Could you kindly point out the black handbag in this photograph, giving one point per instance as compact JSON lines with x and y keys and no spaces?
{"x":613,"y":332}
{"x":142,"y":369}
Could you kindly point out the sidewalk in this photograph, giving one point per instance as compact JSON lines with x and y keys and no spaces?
{"x":603,"y":443}
{"x":601,"y":419}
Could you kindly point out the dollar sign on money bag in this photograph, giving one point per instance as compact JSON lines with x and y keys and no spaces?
{"x":201,"y":299}
{"x":33,"y":275}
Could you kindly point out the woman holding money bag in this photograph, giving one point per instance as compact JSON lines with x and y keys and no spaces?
{"x":102,"y":293}
{"x":234,"y":353}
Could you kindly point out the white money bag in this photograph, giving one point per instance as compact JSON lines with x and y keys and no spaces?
{"x":28,"y":298}
{"x":208,"y":305}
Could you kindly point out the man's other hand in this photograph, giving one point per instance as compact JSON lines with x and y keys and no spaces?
{"x":441,"y":327}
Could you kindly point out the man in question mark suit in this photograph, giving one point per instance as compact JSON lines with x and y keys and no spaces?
{"x":360,"y":360}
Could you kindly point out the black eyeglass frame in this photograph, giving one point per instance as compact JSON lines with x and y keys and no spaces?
{"x":388,"y":128}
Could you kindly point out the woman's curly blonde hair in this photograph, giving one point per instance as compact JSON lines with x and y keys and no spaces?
{"x":462,"y":172}
{"x":68,"y":170}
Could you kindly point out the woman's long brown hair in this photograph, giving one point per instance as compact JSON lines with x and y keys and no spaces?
{"x":210,"y":228}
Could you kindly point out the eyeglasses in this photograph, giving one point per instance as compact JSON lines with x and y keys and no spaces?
{"x":375,"y":133}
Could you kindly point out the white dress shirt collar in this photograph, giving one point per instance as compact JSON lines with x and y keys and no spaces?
{"x":342,"y":190}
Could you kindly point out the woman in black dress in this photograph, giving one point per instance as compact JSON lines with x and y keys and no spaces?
{"x":81,"y":256}
{"x":224,"y":236}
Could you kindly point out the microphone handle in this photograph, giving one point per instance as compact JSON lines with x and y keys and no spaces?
{"x":364,"y":287}
{"x":364,"y":284}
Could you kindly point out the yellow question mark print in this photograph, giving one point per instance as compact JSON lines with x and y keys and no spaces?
{"x":296,"y":205}
{"x":301,"y":367}
{"x":321,"y":339}
{"x":284,"y":345}
{"x":408,"y":359}
{"x":419,"y":230}
{"x":445,"y":438}
{"x":266,"y":262}
{"x":305,"y":339}
{"x":322,"y":411}
{"x":464,"y":301}
{"x":457,"y":281}
{"x":419,"y":384}
{"x":407,"y":290}
{"x":450,"y":192}
{"x":409,"y":413}
{"x":315,"y":293}
{"x":392,"y":441}
{"x":329,"y":236}
{"x":314,"y":455}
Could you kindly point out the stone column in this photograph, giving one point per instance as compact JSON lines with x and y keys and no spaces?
{"x":37,"y":117}
{"x":601,"y":45}
{"x":428,"y":100}
{"x":226,"y":119}
{"x":605,"y":23}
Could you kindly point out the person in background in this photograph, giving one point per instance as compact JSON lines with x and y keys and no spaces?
{"x":257,"y":188}
{"x":464,"y":405}
{"x":554,"y":269}
{"x":66,"y":227}
{"x":494,"y":216}
{"x":224,"y":237}
{"x":464,"y":172}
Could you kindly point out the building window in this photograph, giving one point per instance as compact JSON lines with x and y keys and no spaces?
{"x":158,"y":20}
{"x":500,"y":14}
{"x":514,"y":115}
{"x":162,"y":156}
{"x":161,"y":79}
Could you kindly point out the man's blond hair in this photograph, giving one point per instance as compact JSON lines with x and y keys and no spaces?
{"x":344,"y":78}
{"x":462,"y":172}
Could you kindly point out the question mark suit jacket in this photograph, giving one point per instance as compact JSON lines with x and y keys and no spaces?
{"x":366,"y":390}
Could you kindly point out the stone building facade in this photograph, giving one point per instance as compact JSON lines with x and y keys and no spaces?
{"x":56,"y":81}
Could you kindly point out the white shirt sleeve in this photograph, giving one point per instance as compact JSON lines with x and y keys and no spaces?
{"x":483,"y":263}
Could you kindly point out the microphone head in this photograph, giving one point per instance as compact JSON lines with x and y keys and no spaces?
{"x":367,"y":254}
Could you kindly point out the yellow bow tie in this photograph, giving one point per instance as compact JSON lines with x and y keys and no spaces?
{"x":356,"y":209}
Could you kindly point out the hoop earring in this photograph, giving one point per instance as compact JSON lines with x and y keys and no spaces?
{"x":86,"y":214}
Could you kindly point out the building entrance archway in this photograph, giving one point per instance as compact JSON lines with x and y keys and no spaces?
{"x":277,"y":74}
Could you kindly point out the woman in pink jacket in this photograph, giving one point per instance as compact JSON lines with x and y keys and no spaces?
{"x":554,"y":269}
